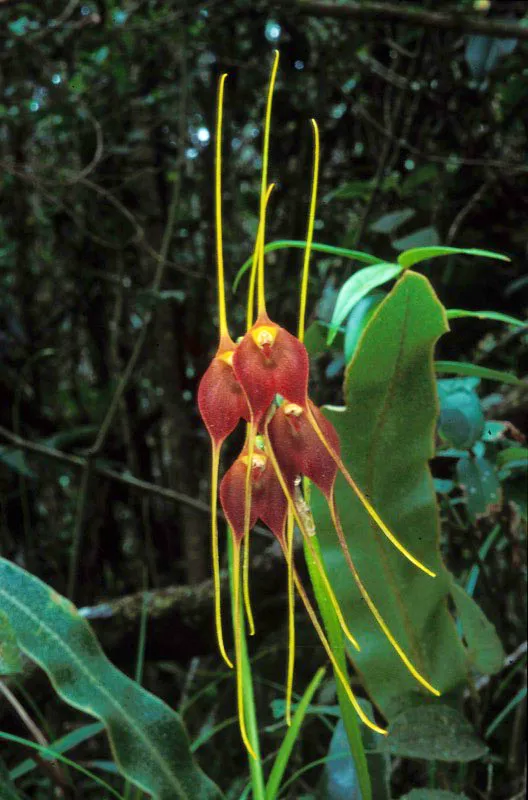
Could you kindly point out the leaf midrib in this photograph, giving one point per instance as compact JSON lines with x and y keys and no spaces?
{"x":373,"y":451}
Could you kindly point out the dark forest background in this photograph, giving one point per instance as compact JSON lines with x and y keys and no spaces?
{"x":107,"y":280}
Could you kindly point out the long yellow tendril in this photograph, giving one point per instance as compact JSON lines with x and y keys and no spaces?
{"x":291,"y":617}
{"x":250,"y":441}
{"x":258,"y":254}
{"x":367,"y":505}
{"x":370,"y":603}
{"x":319,"y":564}
{"x":215,"y":555}
{"x":309,"y":232}
{"x":237,"y":625}
{"x":222,"y":317}
{"x":264,"y":180}
{"x":324,"y":642}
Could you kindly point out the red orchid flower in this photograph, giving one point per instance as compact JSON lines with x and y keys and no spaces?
{"x":287,"y":439}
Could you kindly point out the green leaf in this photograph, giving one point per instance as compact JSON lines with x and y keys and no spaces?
{"x":512,"y":454}
{"x":16,"y":461}
{"x":426,"y":174}
{"x":20,"y":26}
{"x":282,"y":244}
{"x":432,"y":794}
{"x":357,"y":286}
{"x":421,"y":238}
{"x":460,"y":313}
{"x":390,"y":222}
{"x":62,"y":745}
{"x":436,"y":733}
{"x":292,"y":734}
{"x":484,"y":646}
{"x":387,"y":438}
{"x":481,"y":485}
{"x":358,"y":319}
{"x":10,"y":657}
{"x":315,"y":339}
{"x":340,"y":778}
{"x":147,"y":738}
{"x":351,"y":190}
{"x":461,"y":420}
{"x":418,"y":254}
{"x":465,"y":368}
{"x":101,"y":54}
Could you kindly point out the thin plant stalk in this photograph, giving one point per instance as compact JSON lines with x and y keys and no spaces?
{"x":255,"y":765}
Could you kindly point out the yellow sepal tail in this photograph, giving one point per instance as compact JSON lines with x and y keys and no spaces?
{"x":215,"y":555}
{"x":367,"y":505}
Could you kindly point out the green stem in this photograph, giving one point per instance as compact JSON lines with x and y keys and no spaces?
{"x":255,"y":764}
{"x":335,"y":638}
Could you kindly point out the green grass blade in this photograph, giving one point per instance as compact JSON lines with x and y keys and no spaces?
{"x":147,"y":738}
{"x":61,"y":745}
{"x":282,"y":758}
{"x":514,"y":702}
{"x":47,"y":753}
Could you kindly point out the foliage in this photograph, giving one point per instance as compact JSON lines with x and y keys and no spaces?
{"x":106,"y":118}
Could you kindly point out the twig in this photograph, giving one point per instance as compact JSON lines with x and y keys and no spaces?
{"x":51,"y":768}
{"x":81,"y":463}
{"x":473,"y":201}
{"x":374,"y":12}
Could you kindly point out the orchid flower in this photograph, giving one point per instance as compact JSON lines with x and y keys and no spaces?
{"x":263,"y":381}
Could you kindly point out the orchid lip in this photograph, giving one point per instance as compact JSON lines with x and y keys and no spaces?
{"x":258,"y":461}
{"x":264,"y":335}
{"x":293,"y":409}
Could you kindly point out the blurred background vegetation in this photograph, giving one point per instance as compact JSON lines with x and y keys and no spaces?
{"x":107,"y":275}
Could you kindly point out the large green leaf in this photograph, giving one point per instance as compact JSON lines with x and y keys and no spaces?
{"x":147,"y":737}
{"x":387,"y":437}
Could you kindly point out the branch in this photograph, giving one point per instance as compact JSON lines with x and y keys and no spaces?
{"x":78,"y":462}
{"x":374,"y":12}
{"x":81,"y":463}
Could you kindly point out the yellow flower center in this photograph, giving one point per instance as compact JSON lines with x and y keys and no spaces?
{"x":292,"y":410}
{"x":258,"y":461}
{"x":264,"y":335}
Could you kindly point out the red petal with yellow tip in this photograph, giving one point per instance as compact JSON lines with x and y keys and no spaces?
{"x":221,"y":401}
{"x":298,"y":449}
{"x":268,"y":502}
{"x":270,"y":361}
